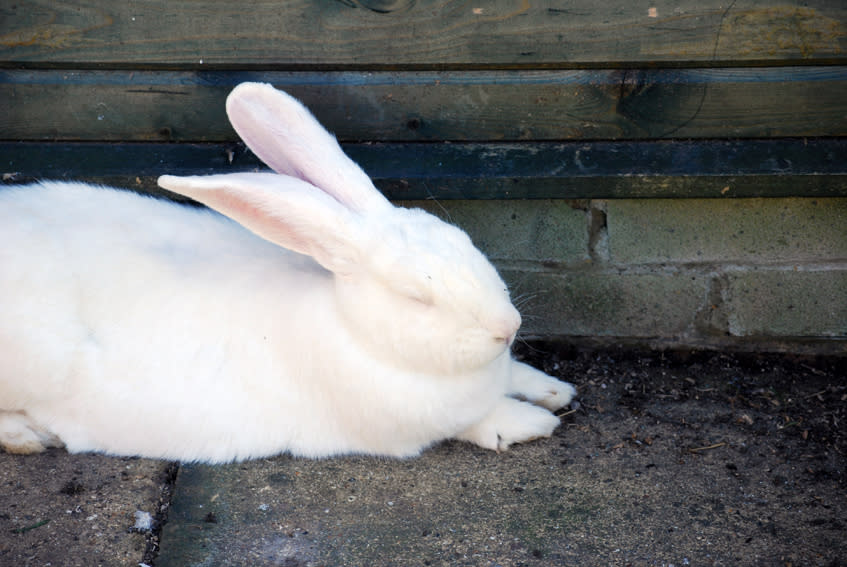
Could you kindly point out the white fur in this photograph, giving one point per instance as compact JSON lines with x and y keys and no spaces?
{"x":336,"y":323}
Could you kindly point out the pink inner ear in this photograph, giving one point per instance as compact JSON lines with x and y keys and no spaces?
{"x":281,"y":209}
{"x":284,"y":135}
{"x":260,"y":220}
{"x":271,"y":142}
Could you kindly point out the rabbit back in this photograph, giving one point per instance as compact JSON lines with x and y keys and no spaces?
{"x":170,"y":331}
{"x":123,"y":312}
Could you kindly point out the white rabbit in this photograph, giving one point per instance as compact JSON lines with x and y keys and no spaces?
{"x":335,"y":323}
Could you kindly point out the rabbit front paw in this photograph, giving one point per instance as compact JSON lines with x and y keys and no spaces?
{"x":512,"y":421}
{"x":534,"y":386}
{"x":20,"y":435}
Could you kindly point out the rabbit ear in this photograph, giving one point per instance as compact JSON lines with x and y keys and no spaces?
{"x":281,"y":209}
{"x":284,"y":135}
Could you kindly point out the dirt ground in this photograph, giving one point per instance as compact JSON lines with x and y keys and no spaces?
{"x":79,"y":510}
{"x":665,"y":459}
{"x":743,"y":454}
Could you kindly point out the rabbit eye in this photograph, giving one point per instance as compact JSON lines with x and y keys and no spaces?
{"x":418,"y":293}
{"x":419,"y":296}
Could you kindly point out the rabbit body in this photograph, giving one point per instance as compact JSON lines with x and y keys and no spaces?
{"x":303,"y":319}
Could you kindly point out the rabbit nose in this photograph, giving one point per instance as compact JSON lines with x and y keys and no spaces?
{"x":506,"y":328}
{"x":506,"y":340}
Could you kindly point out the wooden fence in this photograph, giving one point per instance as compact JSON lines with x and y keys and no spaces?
{"x":587,"y":99}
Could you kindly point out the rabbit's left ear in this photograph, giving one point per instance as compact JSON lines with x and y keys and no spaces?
{"x":281,"y":209}
{"x":285,"y":135}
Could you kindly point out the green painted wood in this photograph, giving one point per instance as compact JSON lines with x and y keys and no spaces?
{"x":407,"y":171}
{"x":437,"y":106}
{"x":427,"y":33}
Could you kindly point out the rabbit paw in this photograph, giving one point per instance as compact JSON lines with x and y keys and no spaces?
{"x":534,"y":386}
{"x":20,"y":435}
{"x":512,"y":421}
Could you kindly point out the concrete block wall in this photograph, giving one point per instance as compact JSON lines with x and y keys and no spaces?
{"x":708,"y":273}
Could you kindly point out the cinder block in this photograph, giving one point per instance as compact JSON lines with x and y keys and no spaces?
{"x":788,"y":303}
{"x":536,"y":230}
{"x":606,"y":303}
{"x":726,"y":230}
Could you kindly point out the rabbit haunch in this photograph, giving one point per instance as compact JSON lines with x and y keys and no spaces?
{"x":306,"y":315}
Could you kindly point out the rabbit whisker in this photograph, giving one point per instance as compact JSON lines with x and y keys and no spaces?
{"x":432,"y":198}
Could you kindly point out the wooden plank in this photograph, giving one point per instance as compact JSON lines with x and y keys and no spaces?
{"x":572,"y":170}
{"x":437,"y":106}
{"x":424,"y":33}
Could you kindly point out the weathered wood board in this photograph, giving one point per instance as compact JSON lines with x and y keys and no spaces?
{"x":527,"y":93}
{"x":436,"y":106}
{"x":426,"y":33}
{"x":538,"y":170}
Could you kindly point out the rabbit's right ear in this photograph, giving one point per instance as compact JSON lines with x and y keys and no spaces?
{"x":284,"y":210}
{"x":285,"y":135}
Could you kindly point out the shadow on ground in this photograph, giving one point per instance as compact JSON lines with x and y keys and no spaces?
{"x":675,"y":459}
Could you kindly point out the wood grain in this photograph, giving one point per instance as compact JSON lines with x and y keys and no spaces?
{"x":437,"y":106}
{"x":271,"y":34}
{"x":408,"y":171}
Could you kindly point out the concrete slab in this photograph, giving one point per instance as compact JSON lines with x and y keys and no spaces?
{"x":545,"y":230}
{"x":700,"y":462}
{"x":78,"y":510}
{"x":608,"y":303}
{"x":788,"y":303}
{"x":743,"y":231}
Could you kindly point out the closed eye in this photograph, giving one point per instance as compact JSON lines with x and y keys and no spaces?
{"x":418,"y":294}
{"x":420,"y":291}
